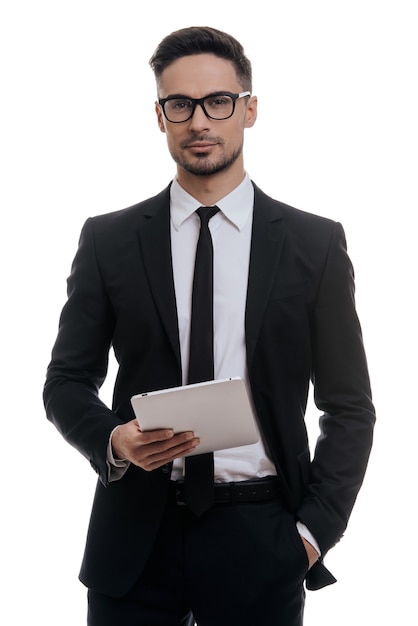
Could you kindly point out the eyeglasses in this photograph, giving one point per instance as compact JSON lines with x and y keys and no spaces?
{"x":216,"y":106}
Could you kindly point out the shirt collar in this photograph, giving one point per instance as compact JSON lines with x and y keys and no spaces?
{"x":236,"y":206}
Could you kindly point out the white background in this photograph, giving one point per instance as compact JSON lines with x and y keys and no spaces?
{"x":336,"y":135}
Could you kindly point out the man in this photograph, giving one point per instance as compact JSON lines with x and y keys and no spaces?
{"x":283,"y":313}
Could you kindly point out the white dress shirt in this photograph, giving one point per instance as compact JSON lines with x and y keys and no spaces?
{"x":231,"y":237}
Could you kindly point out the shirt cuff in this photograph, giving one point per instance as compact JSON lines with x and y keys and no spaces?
{"x":116,"y":468}
{"x":306,"y":534}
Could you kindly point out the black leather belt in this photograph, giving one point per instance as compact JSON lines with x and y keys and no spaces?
{"x":234,"y":493}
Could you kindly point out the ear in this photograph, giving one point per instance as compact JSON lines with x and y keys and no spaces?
{"x":160,"y":117}
{"x":251,"y":112}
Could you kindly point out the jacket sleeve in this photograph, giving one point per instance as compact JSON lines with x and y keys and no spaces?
{"x":342,"y":392}
{"x":79,"y":360}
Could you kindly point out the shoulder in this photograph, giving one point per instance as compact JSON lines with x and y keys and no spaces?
{"x":307,"y":228}
{"x":309,"y":235}
{"x":130,"y":218}
{"x":111,"y":232}
{"x":293,"y":216}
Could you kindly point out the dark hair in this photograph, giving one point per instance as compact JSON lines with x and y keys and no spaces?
{"x":201,"y":40}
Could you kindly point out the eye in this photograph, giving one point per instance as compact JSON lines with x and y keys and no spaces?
{"x":218,"y":101}
{"x":179,"y":105}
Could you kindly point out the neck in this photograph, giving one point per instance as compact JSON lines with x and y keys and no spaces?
{"x":208,"y":190}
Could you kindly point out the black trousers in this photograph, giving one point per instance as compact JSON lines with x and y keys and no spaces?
{"x":237,"y":565}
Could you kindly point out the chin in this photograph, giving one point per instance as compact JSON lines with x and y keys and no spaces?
{"x":207,"y":168}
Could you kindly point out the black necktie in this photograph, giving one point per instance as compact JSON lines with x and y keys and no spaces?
{"x":198,"y":483}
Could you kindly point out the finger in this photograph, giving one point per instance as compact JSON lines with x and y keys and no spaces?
{"x":164,"y":439}
{"x":163,"y":453}
{"x":158,"y":458}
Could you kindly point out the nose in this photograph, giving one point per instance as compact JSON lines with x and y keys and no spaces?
{"x":199,"y":120}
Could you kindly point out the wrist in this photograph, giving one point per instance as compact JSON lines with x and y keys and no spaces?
{"x":115,"y":455}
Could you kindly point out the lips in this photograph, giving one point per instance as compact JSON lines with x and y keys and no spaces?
{"x":200,"y":145}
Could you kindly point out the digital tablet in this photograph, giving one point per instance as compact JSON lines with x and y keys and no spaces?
{"x":219,"y":412}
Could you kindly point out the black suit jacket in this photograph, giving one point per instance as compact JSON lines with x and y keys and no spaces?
{"x":301,"y":325}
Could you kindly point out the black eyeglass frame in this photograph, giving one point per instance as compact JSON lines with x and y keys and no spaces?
{"x":195,"y":101}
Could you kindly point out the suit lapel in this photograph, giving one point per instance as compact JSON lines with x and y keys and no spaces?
{"x":155,"y":242}
{"x":267,"y":241}
{"x":266,"y":245}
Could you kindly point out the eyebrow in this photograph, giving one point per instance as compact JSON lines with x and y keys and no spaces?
{"x":212,"y":93}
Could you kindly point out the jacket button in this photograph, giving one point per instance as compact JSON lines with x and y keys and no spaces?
{"x":165,"y":468}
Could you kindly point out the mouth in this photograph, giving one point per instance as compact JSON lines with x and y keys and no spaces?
{"x":200,"y":146}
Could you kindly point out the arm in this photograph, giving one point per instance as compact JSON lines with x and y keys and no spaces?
{"x":78,"y":368}
{"x":342,"y":392}
{"x":79,"y":360}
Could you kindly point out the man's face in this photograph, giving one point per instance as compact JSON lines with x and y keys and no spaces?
{"x":202,"y":146}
